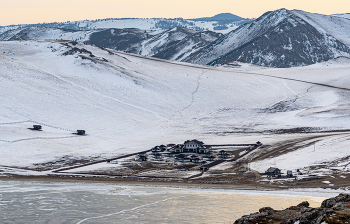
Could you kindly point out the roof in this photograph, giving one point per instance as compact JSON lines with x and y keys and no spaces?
{"x":272,"y":169}
{"x":195,"y":141}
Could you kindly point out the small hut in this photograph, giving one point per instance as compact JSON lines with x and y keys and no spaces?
{"x":80,"y":132}
{"x":272,"y":171}
{"x":37,"y":127}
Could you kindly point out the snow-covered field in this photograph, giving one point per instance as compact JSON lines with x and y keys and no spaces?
{"x":324,"y":150}
{"x":129,"y":103}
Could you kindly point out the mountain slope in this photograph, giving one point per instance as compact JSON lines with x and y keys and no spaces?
{"x":173,"y":44}
{"x":177,"y":41}
{"x":129,"y":103}
{"x":281,"y":38}
{"x":221,"y":17}
{"x":187,"y":46}
{"x":143,"y":24}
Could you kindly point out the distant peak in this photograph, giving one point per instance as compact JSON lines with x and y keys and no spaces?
{"x":221,"y":17}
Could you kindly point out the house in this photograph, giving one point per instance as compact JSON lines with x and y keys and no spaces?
{"x":37,"y":127}
{"x":194,"y":146}
{"x":142,"y":154}
{"x":162,"y":148}
{"x":258,"y":143}
{"x":195,"y":159}
{"x":177,"y":149}
{"x":272,"y":171}
{"x":207,"y":155}
{"x":142,"y":158}
{"x":156,"y":149}
{"x":183,"y":158}
{"x":225,"y":156}
{"x":222,"y":152}
{"x":172,"y":154}
{"x":211,"y":158}
{"x":158,"y":156}
{"x":289,"y":173}
{"x":204,"y":150}
{"x":80,"y":132}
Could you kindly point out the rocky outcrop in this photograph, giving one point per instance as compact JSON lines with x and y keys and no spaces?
{"x":332,"y":211}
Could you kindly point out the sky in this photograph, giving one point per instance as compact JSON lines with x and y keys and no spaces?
{"x":40,"y":11}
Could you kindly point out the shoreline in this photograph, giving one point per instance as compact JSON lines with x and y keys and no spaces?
{"x":173,"y":184}
{"x":134,"y":182}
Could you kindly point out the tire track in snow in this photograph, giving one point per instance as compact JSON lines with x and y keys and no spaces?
{"x":128,"y":210}
{"x":36,"y":122}
{"x":48,"y":138}
{"x":193,"y":93}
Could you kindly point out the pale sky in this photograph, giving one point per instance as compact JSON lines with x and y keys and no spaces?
{"x":39,"y":11}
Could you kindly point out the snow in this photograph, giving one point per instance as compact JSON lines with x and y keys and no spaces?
{"x":336,"y":26}
{"x":345,"y":15}
{"x":144,"y":24}
{"x":131,"y":103}
{"x":239,"y":37}
{"x":170,"y":173}
{"x":326,"y":149}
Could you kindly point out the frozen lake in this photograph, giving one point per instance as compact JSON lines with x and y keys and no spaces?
{"x":34,"y":202}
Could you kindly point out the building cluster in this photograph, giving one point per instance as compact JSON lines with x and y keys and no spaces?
{"x":191,"y":151}
{"x":275,"y":172}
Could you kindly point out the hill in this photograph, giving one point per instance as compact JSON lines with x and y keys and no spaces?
{"x":129,"y":103}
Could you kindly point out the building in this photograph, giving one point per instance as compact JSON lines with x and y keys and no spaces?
{"x":142,"y":154}
{"x":273,"y":171}
{"x":37,"y":127}
{"x":195,"y":159}
{"x":80,"y":132}
{"x":211,"y":158}
{"x":158,"y":156}
{"x":183,"y":158}
{"x":195,"y":146}
{"x":142,"y":158}
{"x":177,"y":149}
{"x":222,"y":152}
{"x":225,"y":156}
{"x":289,"y":173}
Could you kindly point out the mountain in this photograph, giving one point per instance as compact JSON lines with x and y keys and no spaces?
{"x":177,"y":43}
{"x":281,"y":38}
{"x":221,"y":17}
{"x":186,"y":46}
{"x":345,"y":15}
{"x":129,"y":103}
{"x":214,"y":24}
{"x":172,"y":44}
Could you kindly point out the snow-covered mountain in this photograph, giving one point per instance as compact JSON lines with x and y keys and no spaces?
{"x":129,"y":103}
{"x":177,"y":43}
{"x":345,"y":15}
{"x":281,"y":38}
{"x":222,"y":23}
{"x":172,"y":44}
